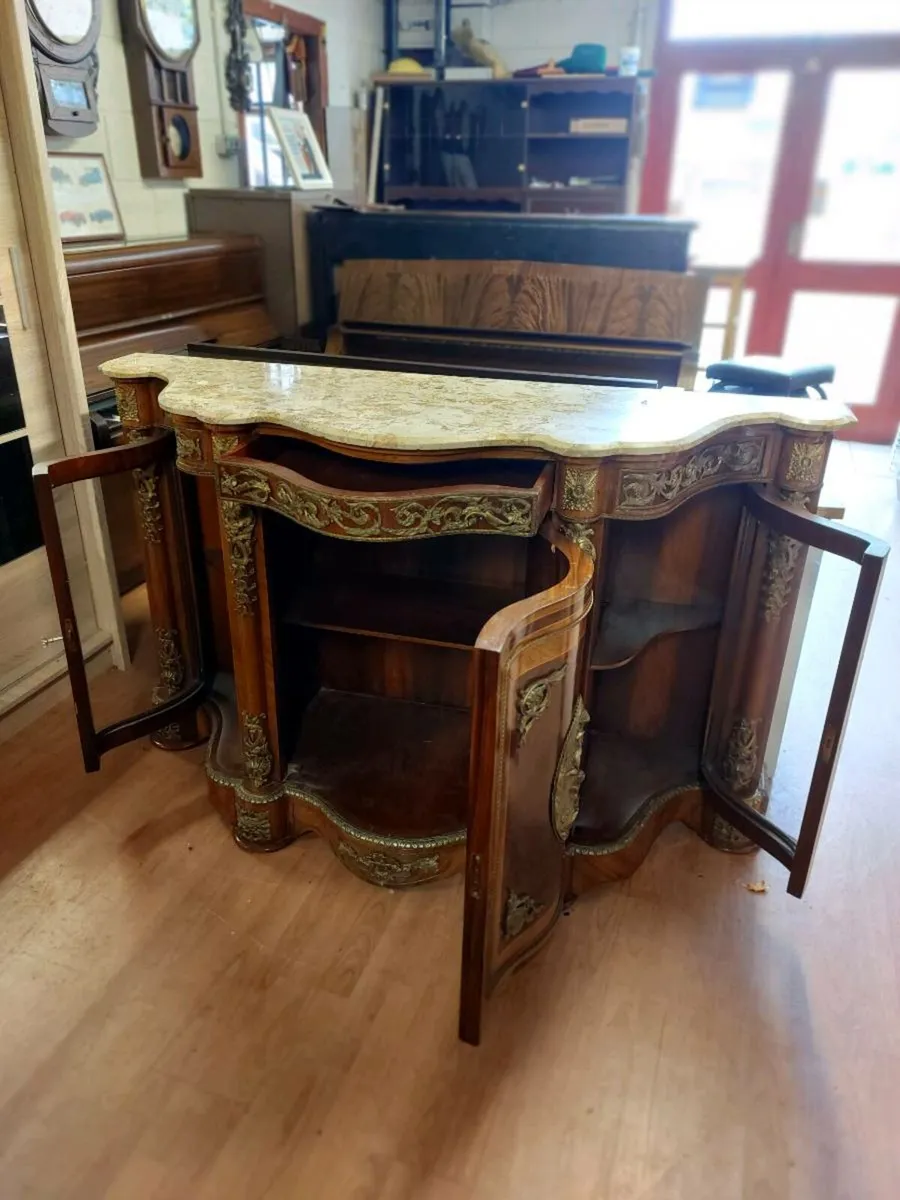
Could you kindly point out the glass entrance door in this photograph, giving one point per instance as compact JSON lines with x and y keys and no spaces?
{"x":779,"y":133}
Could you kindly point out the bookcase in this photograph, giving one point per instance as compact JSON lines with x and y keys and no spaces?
{"x":559,"y":144}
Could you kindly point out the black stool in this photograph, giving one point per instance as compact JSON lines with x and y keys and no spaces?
{"x":760,"y":375}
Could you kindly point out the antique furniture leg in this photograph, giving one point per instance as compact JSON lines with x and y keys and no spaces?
{"x":261,"y":808}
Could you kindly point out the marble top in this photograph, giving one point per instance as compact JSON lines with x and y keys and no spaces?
{"x":393,"y":410}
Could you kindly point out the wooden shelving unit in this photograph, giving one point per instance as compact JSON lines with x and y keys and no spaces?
{"x":509,"y":145}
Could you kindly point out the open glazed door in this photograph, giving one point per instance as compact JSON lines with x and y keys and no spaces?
{"x":528,"y":724}
{"x":767,"y":575}
{"x":183,"y":681}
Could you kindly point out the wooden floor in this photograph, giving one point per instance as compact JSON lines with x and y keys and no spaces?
{"x":181,"y":1020}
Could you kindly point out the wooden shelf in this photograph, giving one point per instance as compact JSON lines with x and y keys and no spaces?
{"x":415,"y":192}
{"x":433,"y":612}
{"x":621,"y":776}
{"x":628,"y":627}
{"x":389,"y":767}
{"x":577,"y":136}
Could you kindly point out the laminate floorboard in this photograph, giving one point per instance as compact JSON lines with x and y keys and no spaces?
{"x":182,"y":1021}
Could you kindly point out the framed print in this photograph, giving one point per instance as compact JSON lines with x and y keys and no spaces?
{"x":84,"y":199}
{"x":302,"y":152}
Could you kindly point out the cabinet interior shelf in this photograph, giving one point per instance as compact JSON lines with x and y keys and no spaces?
{"x":628,"y":626}
{"x":580,"y":137}
{"x":391,"y":767}
{"x":622,"y":775}
{"x":435,"y":612}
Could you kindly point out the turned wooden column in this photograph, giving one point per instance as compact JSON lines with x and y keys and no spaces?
{"x":261,"y":808}
{"x":764,"y":588}
{"x":169,"y":588}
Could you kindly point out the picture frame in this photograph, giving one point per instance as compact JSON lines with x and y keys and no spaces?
{"x":302,"y":153}
{"x":84,"y":199}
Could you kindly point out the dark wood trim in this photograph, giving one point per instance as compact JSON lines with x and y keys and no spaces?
{"x":297,"y":22}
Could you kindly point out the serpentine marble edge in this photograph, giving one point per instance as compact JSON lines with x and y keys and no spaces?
{"x":400,"y":411}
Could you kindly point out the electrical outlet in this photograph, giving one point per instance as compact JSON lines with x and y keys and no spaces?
{"x":228,"y":145}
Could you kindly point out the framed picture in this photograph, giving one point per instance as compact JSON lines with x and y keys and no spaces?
{"x":302,"y":153}
{"x":84,"y":199}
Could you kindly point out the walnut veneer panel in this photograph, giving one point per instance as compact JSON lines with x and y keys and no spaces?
{"x":526,"y":297}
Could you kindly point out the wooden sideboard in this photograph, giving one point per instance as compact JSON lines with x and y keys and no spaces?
{"x":446,"y":623}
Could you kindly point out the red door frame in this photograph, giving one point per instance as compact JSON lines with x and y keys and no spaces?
{"x":778,"y":274}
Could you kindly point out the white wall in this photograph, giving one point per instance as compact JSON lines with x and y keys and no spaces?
{"x":155,"y":208}
{"x":528,"y":32}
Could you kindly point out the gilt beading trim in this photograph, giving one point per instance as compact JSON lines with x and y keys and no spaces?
{"x":532,"y":701}
{"x":385,"y":520}
{"x":568,"y":777}
{"x":239,"y":523}
{"x":146,"y":480}
{"x":653,"y":489}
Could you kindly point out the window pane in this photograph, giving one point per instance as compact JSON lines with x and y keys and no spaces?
{"x":856,"y":199}
{"x":852,"y":332}
{"x":781,"y":18}
{"x":729,"y":132}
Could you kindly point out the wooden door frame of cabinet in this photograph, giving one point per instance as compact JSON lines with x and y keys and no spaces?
{"x":184,"y":647}
{"x":787,"y":523}
{"x":44,"y":277}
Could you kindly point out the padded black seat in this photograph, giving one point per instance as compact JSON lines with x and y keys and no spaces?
{"x":760,"y":375}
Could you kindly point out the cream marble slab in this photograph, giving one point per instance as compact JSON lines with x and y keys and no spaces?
{"x":399,"y":411}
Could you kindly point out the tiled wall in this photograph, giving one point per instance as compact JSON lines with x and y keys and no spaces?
{"x":155,"y":208}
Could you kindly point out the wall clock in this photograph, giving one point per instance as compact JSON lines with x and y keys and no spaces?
{"x":64,"y":48}
{"x":161,"y":37}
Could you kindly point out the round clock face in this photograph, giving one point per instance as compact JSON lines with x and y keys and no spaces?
{"x":172,"y":25}
{"x":68,"y":21}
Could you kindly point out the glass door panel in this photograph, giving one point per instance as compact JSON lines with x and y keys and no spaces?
{"x":851,"y":331}
{"x":726,"y":150}
{"x":855,"y":208}
{"x":781,"y":18}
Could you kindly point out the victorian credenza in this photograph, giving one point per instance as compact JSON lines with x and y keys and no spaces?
{"x":451,"y":623}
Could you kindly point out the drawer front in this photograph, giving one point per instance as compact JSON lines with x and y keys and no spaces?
{"x":388,"y":517}
{"x":651,"y":489}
